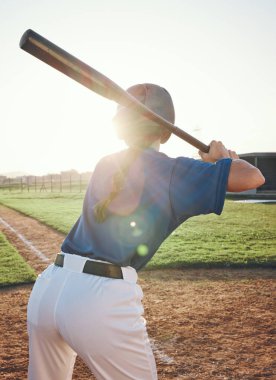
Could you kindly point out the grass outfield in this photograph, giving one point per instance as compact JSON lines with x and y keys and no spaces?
{"x":56,"y":210}
{"x":13,"y":268}
{"x":243,"y":236}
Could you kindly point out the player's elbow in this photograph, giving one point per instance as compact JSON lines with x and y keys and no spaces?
{"x":254,"y":180}
{"x":259,"y":179}
{"x":245,"y":178}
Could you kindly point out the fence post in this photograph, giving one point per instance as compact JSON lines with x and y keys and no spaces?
{"x":60,"y":184}
{"x":21,"y":184}
{"x":43,"y":187}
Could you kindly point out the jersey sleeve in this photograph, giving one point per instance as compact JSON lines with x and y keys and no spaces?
{"x":198,"y":187}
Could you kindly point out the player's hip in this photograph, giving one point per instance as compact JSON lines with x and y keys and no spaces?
{"x":66,"y":290}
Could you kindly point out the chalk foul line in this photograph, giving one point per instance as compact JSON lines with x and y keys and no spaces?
{"x":159,"y":353}
{"x":27,"y":242}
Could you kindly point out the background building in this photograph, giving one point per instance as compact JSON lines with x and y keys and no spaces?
{"x":266,"y":162}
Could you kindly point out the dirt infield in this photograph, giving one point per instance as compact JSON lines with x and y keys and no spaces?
{"x":203,"y":324}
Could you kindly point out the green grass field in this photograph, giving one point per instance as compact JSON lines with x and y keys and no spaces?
{"x":243,"y":236}
{"x":13,"y":268}
{"x":56,"y":210}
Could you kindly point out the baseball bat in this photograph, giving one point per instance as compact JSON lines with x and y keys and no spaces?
{"x":74,"y":68}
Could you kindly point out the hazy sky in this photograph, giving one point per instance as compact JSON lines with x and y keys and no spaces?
{"x":217,"y":58}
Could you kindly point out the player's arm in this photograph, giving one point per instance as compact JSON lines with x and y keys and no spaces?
{"x":243,"y":176}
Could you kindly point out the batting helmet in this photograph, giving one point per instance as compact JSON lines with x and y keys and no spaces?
{"x":130,"y":123}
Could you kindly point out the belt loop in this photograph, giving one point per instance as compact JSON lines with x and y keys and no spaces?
{"x":129,"y":274}
{"x":74,"y":263}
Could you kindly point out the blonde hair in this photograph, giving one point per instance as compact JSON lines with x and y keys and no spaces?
{"x":139,"y":132}
{"x":118,"y":182}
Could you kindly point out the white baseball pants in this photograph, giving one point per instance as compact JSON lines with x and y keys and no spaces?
{"x":100,"y":319}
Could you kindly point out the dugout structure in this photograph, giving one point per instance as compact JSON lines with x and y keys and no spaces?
{"x":266,"y":162}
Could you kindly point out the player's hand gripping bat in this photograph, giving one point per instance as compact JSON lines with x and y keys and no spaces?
{"x":71,"y":66}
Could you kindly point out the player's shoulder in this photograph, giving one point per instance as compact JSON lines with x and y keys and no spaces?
{"x":111,"y":158}
{"x":188,"y":165}
{"x":187,"y":160}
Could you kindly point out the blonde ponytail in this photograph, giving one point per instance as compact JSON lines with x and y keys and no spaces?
{"x":118,"y":182}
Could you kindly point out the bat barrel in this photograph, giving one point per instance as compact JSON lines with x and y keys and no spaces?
{"x":61,"y":60}
{"x":71,"y":66}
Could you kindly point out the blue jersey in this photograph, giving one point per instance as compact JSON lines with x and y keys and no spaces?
{"x":159,"y":194}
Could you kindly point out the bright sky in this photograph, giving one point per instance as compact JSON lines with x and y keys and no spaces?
{"x":217,"y":58}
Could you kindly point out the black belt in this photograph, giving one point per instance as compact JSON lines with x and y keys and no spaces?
{"x":96,"y":267}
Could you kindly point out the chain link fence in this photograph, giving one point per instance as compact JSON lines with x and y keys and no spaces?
{"x":54,"y":183}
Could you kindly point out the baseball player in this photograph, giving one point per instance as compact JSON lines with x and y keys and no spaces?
{"x":88,"y":303}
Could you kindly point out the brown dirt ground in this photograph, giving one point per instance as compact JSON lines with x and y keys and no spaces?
{"x":204,"y":324}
